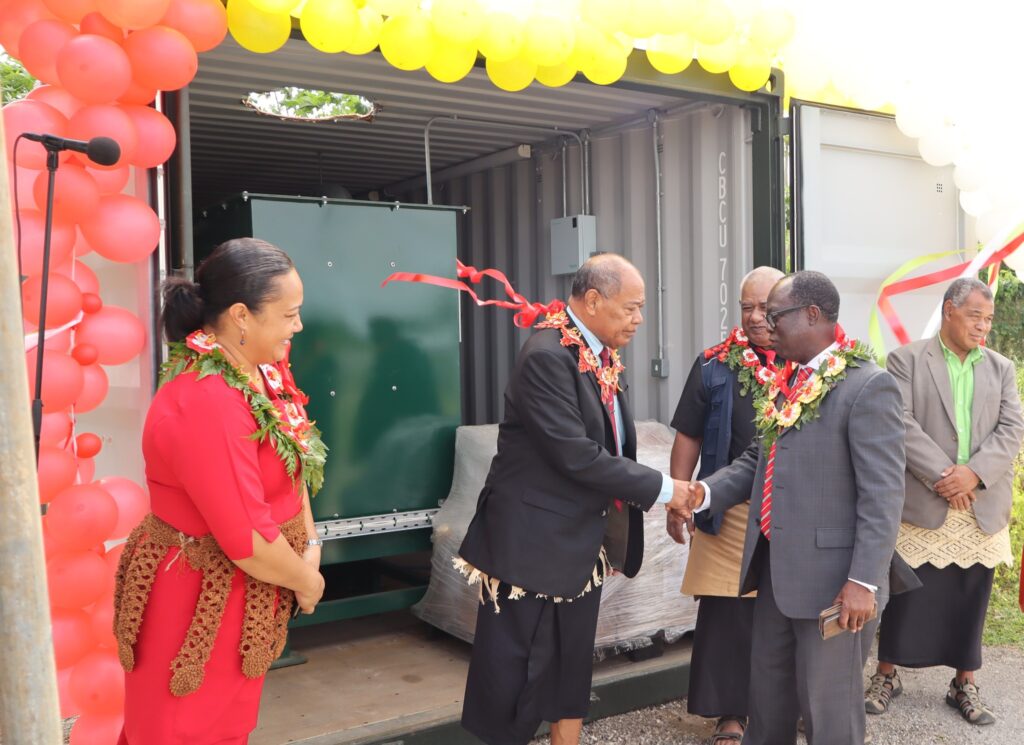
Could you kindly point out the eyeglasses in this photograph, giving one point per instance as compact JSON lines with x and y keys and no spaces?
{"x":772,"y":317}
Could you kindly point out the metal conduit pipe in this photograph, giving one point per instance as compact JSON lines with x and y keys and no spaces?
{"x":492,"y":123}
{"x":653,"y":117}
{"x":585,"y":160}
{"x":565,"y":189}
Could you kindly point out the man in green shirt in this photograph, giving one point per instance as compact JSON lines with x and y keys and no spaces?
{"x":964,"y":428}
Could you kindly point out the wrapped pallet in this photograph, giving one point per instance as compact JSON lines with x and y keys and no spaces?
{"x":632,"y":610}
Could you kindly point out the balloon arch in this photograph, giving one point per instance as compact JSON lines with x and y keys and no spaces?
{"x":101,"y":63}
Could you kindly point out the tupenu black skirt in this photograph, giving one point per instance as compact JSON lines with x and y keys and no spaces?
{"x":940,"y":623}
{"x":720,"y":662}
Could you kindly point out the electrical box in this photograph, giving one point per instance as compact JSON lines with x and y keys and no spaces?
{"x":573,"y":241}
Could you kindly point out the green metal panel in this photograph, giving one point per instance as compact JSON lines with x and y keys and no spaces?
{"x":381,"y":365}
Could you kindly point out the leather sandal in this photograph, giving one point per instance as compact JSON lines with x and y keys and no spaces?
{"x":966,"y":698}
{"x":723,"y":738}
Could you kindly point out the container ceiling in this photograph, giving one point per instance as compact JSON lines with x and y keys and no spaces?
{"x":235,"y":149}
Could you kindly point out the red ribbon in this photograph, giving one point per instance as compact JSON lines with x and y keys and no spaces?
{"x":527,"y":312}
{"x":916,"y":283}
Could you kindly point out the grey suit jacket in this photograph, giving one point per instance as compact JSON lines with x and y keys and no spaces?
{"x":837,"y":497}
{"x":928,"y":411}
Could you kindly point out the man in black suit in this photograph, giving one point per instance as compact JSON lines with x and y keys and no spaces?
{"x":560,"y":509}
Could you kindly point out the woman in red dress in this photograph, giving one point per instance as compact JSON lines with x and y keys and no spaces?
{"x":208,"y":580}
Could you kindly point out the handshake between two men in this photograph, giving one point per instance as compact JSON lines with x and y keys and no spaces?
{"x":687,"y":497}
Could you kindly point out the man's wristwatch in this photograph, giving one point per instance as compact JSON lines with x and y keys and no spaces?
{"x":315,"y":542}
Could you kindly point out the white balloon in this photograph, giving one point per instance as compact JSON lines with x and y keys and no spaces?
{"x":1016,"y":261}
{"x":941,"y":147}
{"x":975,"y":203}
{"x":969,"y":175}
{"x":996,"y":221}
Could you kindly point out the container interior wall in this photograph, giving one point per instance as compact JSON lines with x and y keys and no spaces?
{"x":707,"y":244}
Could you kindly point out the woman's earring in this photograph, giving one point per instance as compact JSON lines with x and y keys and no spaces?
{"x":242,"y":342}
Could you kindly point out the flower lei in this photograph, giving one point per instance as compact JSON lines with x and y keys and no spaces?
{"x":803,"y":403}
{"x":607,"y":377}
{"x":736,"y":353}
{"x":295,"y":438}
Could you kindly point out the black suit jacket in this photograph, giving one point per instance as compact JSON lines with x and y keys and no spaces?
{"x":547,"y":504}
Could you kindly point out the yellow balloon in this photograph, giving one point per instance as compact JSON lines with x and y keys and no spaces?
{"x":274,"y":6}
{"x":715,"y":25}
{"x":772,"y":29}
{"x":751,"y":70}
{"x":670,"y":54}
{"x":642,"y":18}
{"x":458,"y":21}
{"x":449,"y":62}
{"x":406,"y":42}
{"x":512,"y":75}
{"x":679,"y":16}
{"x":606,"y":69}
{"x":606,"y":15}
{"x":255,"y":29}
{"x":502,"y":37}
{"x":590,"y":44}
{"x":367,"y":31}
{"x":394,"y":7}
{"x":557,"y":75}
{"x":717,"y":57}
{"x":329,"y":25}
{"x":548,"y":41}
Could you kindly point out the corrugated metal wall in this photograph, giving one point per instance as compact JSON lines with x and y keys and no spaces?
{"x":707,"y":244}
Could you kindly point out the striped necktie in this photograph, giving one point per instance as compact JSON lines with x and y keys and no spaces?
{"x":769,"y":470}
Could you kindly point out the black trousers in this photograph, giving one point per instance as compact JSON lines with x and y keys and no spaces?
{"x":720,"y":663}
{"x":531,"y":663}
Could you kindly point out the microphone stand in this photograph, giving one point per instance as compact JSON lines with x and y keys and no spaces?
{"x":37,"y":402}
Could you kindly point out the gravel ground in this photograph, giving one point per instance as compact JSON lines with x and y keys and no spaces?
{"x":920,"y":716}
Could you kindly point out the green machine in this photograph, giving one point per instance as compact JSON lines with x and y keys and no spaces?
{"x":381,"y":367}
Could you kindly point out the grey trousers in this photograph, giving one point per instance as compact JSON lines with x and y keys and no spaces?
{"x":794,"y":673}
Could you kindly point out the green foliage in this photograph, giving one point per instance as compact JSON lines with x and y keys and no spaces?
{"x":14,"y":79}
{"x":1007,"y":335}
{"x":292,"y":102}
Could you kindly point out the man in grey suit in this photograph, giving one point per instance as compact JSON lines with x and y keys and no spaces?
{"x":964,"y":429}
{"x":823,"y":528}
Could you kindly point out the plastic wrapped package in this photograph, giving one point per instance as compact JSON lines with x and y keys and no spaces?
{"x":632,"y":610}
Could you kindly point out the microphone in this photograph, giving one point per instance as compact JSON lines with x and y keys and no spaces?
{"x":100,"y":150}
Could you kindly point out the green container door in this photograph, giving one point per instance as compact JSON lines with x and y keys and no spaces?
{"x":381,"y":365}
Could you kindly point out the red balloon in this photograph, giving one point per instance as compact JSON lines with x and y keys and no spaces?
{"x":156,"y":135}
{"x":32,"y":116}
{"x":118,"y":334}
{"x":59,"y":342}
{"x":67,"y":706}
{"x":72,"y":11}
{"x":62,"y":242}
{"x":39,"y":44}
{"x":56,"y":97}
{"x":133,"y":14}
{"x":88,"y":445}
{"x":62,"y":379}
{"x":109,"y":180}
{"x":91,"y":303}
{"x":101,"y":622}
{"x":203,"y":22}
{"x":132,"y":503}
{"x":85,"y":354}
{"x":87,"y":472}
{"x":76,"y":579}
{"x":63,"y":300}
{"x":75,"y":194}
{"x":23,"y":180}
{"x":123,"y":228}
{"x":94,"y":388}
{"x":73,"y":635}
{"x":57,"y":469}
{"x":81,"y":516}
{"x":94,"y":68}
{"x":94,"y":23}
{"x":161,"y":58}
{"x":17,"y":15}
{"x":84,"y":276}
{"x":100,"y":120}
{"x":97,"y":729}
{"x":138,"y":94}
{"x":55,"y":432}
{"x":97,"y":686}
{"x":113,"y":557}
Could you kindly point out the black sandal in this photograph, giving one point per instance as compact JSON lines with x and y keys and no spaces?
{"x":720,"y":737}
